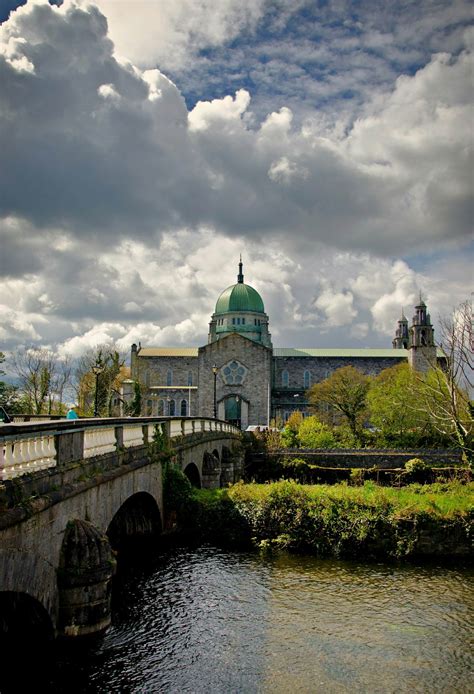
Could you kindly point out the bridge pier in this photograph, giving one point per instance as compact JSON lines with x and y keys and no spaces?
{"x":86,"y":567}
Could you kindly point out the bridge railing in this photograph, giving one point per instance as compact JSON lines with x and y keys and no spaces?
{"x":29,"y":447}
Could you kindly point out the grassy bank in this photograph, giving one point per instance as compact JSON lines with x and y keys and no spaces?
{"x":337,"y":520}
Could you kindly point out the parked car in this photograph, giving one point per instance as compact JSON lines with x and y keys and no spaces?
{"x":5,"y":417}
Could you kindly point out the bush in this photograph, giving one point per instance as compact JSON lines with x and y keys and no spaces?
{"x":416,"y":465}
{"x":314,"y":434}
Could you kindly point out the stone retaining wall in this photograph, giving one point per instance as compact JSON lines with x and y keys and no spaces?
{"x":368,"y":458}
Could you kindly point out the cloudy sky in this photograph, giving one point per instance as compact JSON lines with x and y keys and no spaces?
{"x":145,"y":144}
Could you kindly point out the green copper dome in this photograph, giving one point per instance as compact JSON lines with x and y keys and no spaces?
{"x":239,"y":297}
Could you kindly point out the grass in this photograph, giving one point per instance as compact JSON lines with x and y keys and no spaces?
{"x":441,"y":499}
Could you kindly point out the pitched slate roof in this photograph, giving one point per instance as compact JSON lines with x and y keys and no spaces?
{"x":338,"y":352}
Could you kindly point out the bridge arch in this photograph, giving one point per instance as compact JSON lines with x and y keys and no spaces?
{"x":138,"y":519}
{"x":192,"y":473}
{"x":25,"y":573}
{"x":24,"y":621}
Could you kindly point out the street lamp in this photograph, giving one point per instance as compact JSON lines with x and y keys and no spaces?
{"x":97,"y":370}
{"x":215,"y":371}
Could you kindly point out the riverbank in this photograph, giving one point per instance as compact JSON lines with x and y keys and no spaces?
{"x":335,"y":521}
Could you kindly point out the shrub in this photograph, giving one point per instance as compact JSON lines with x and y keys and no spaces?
{"x":416,"y":465}
{"x":314,"y":434}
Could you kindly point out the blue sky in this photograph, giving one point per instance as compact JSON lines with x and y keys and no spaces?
{"x":146,"y":145}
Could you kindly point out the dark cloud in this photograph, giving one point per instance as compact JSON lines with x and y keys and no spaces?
{"x":108,"y":185}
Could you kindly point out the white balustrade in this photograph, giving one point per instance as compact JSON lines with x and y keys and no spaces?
{"x":188,"y":427}
{"x":175,"y":428}
{"x":132,"y":435}
{"x":98,"y":441}
{"x":19,"y":456}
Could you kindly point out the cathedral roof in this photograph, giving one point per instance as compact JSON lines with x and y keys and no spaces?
{"x":240,"y":297}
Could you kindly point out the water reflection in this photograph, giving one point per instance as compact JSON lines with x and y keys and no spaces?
{"x":209,"y":621}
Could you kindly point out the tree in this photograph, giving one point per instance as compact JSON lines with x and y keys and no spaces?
{"x":108,"y":382}
{"x":344,"y":394}
{"x":444,"y":392}
{"x":43,"y":378}
{"x":289,"y":435}
{"x":134,"y":408}
{"x":315,"y":434}
{"x":389,"y":401}
{"x":9,"y":396}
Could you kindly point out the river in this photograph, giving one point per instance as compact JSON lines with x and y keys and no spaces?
{"x":210,"y":621}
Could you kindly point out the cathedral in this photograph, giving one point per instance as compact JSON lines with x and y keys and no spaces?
{"x":238,"y":376}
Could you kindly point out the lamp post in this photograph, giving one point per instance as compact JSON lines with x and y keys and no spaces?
{"x":215,"y":371}
{"x":97,"y":370}
{"x":237,"y":400}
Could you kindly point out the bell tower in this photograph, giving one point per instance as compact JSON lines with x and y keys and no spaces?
{"x":402,"y":336}
{"x":422,"y":348}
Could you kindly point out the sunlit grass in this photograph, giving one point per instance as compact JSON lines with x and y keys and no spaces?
{"x":441,"y":499}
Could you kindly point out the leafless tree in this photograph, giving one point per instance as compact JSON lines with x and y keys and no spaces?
{"x":446,"y":390}
{"x":43,"y":379}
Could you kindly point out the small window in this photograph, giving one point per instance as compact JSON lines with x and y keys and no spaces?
{"x":307,"y":379}
{"x":171,"y":408}
{"x":149,"y":407}
{"x":190,"y":378}
{"x":285,"y":379}
{"x":243,"y":321}
{"x":161,"y":408}
{"x":238,"y":321}
{"x":184,"y":408}
{"x":169,"y":377}
{"x":233,"y":321}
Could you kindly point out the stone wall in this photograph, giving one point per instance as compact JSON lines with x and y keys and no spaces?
{"x":322,"y":367}
{"x":256,"y":358}
{"x":382,"y":459}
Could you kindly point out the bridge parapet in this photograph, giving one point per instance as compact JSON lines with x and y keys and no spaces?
{"x":31,"y":447}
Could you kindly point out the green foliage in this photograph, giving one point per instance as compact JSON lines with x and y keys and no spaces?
{"x":393,"y":408}
{"x":159,"y":447}
{"x":416,"y":465}
{"x":343,"y":394}
{"x":178,"y":497}
{"x":289,"y":435}
{"x":314,"y":434}
{"x":135,"y":406}
{"x":353,"y":521}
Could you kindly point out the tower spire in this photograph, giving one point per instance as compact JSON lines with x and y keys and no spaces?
{"x":240,"y":277}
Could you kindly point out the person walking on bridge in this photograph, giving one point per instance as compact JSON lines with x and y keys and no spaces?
{"x":71,"y":413}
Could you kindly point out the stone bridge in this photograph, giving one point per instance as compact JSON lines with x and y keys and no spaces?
{"x":73,"y":493}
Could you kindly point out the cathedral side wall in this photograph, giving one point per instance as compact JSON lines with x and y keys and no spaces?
{"x":322,"y":367}
{"x":152,"y":371}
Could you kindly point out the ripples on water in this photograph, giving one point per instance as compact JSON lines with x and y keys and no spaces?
{"x":209,"y":621}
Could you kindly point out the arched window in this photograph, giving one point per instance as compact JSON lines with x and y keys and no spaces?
{"x":149,"y":407}
{"x":307,"y":379}
{"x":161,"y":408}
{"x":184,"y":408}
{"x":171,"y":408}
{"x":190,"y":378}
{"x":285,"y":379}
{"x":169,"y":378}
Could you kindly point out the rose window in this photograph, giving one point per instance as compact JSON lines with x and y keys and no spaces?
{"x":234,"y":373}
